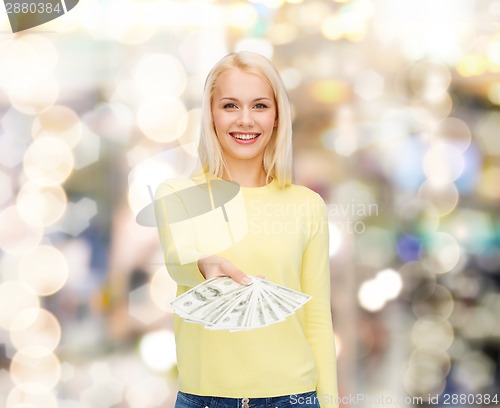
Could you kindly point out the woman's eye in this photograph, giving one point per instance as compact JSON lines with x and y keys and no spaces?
{"x":261,"y":106}
{"x":229,"y":106}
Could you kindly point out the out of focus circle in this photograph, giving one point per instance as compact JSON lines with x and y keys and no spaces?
{"x":35,"y":96}
{"x":162,"y":119}
{"x":27,"y":395}
{"x":16,"y":235}
{"x":443,"y":196}
{"x":44,"y":269}
{"x":35,"y":327}
{"x":41,"y":206}
{"x":16,"y":297}
{"x":162,"y":289}
{"x":45,"y":369}
{"x":60,"y":122}
{"x":48,"y":161}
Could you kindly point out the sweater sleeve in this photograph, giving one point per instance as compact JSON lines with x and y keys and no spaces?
{"x":178,"y":244}
{"x":315,"y":281}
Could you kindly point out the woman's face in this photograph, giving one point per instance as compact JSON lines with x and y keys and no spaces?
{"x":244,"y":115}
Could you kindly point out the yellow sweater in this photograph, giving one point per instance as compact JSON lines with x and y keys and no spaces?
{"x":281,"y":234}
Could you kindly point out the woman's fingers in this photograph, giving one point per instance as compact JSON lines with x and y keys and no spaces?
{"x":215,"y":266}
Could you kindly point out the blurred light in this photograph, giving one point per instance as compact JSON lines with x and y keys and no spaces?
{"x":472,"y":65}
{"x":60,"y":122}
{"x":374,"y":293}
{"x":403,"y":155}
{"x":43,"y":330}
{"x":408,"y":248}
{"x":105,"y":389}
{"x":453,"y":131}
{"x":375,"y":247}
{"x":486,"y":133}
{"x":475,"y":371}
{"x":432,"y":300}
{"x":86,"y":152}
{"x":292,"y":78}
{"x":444,"y":252}
{"x":139,"y":195}
{"x":418,"y":217}
{"x":129,"y":22}
{"x":473,"y":229}
{"x":473,"y":166}
{"x":494,"y":93}
{"x":329,"y":91}
{"x":26,"y":60}
{"x":111,"y":120}
{"x":443,"y":163}
{"x":309,"y":16}
{"x":163,"y":289}
{"x":6,"y":191}
{"x":192,"y":132}
{"x":41,"y":206}
{"x":273,"y":3}
{"x":429,"y":80}
{"x":370,"y":296}
{"x":489,"y":260}
{"x":160,"y":74}
{"x":142,"y":307}
{"x":241,"y":15}
{"x":444,"y":197}
{"x":432,"y":332}
{"x":369,"y":85}
{"x":488,"y":185}
{"x":494,"y":50}
{"x":44,"y":369}
{"x":389,"y":281}
{"x":32,"y":98}
{"x":16,"y":235}
{"x":162,"y":120}
{"x":157,"y":350}
{"x":282,"y":33}
{"x":150,"y":391}
{"x":335,"y":241}
{"x":427,"y":371}
{"x":258,"y":45}
{"x":44,"y":269}
{"x":15,"y":297}
{"x":344,"y":24}
{"x":48,"y":161}
{"x":77,"y":216}
{"x":27,"y":395}
{"x":414,"y":275}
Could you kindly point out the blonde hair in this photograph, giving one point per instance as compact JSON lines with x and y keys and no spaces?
{"x":278,"y":153}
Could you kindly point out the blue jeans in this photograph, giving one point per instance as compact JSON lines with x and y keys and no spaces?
{"x":305,"y":400}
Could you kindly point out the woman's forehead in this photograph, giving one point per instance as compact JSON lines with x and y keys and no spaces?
{"x":242,"y":82}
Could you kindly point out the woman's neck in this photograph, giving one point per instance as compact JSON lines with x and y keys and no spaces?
{"x":247,"y":176}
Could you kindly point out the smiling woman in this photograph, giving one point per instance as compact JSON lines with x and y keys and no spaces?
{"x":247,"y":120}
{"x":246,"y":139}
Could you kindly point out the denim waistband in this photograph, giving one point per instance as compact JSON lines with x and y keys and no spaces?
{"x":303,"y":400}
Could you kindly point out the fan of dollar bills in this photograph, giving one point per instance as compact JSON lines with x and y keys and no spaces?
{"x":223,"y":304}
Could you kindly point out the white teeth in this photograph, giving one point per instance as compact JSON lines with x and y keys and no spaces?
{"x":246,"y":137}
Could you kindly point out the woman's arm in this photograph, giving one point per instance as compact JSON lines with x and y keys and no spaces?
{"x":315,"y":281}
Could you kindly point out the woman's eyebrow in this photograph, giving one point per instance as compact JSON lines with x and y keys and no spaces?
{"x":227,"y":98}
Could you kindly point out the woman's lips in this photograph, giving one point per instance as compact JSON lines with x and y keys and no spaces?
{"x":245,"y":137}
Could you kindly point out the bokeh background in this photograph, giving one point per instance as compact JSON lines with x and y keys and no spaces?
{"x":396,"y":123}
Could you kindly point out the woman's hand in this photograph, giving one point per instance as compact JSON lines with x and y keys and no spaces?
{"x":214,"y":266}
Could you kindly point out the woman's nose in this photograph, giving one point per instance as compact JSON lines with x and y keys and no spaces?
{"x":245,"y":118}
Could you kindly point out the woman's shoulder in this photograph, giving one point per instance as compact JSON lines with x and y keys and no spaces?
{"x":305,"y":193}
